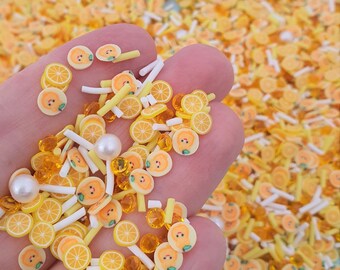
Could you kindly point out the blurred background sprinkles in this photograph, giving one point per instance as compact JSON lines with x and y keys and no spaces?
{"x":279,"y":203}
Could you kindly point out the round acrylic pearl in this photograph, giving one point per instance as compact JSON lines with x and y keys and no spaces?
{"x":24,"y":188}
{"x":108,"y":147}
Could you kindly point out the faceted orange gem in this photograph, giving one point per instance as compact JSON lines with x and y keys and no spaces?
{"x":175,"y":218}
{"x":10,"y":205}
{"x":120,"y":166}
{"x":149,"y":242}
{"x":123,"y":182}
{"x":42,"y":176}
{"x":176,"y":102}
{"x":164,"y":142}
{"x":164,"y":116}
{"x":91,"y":108}
{"x":48,"y":143}
{"x":132,"y":263}
{"x":129,"y":203}
{"x":109,"y":117}
{"x":155,"y":218}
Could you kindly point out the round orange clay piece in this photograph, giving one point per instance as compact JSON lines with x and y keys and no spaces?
{"x":158,"y":163}
{"x":231,"y":211}
{"x":167,"y":258}
{"x":134,"y":159}
{"x":182,"y":237}
{"x":31,"y":258}
{"x":52,"y":101}
{"x":185,"y":141}
{"x":289,"y":223}
{"x":76,"y":160}
{"x":108,"y":52}
{"x":90,"y":190}
{"x":141,"y":181}
{"x":111,"y":214}
{"x":80,"y":57}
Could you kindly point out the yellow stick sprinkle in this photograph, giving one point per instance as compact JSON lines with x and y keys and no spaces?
{"x":251,"y":253}
{"x":328,"y":142}
{"x":249,"y":228}
{"x":323,"y":178}
{"x":96,"y":160}
{"x":259,"y":224}
{"x":290,"y":238}
{"x":151,"y":145}
{"x":298,"y":190}
{"x":311,"y":234}
{"x":255,"y":191}
{"x":60,"y":135}
{"x":127,"y":56}
{"x":102,"y":100}
{"x":80,"y":117}
{"x":259,"y":254}
{"x":211,"y":96}
{"x":73,"y":209}
{"x":308,"y":261}
{"x":141,"y":202}
{"x":308,"y":134}
{"x":278,"y":247}
{"x":62,"y":142}
{"x":146,"y":90}
{"x":115,"y":100}
{"x":45,"y":194}
{"x":91,"y":234}
{"x":169,"y":210}
{"x":105,"y":83}
{"x":122,"y":194}
{"x":332,"y":231}
{"x":232,"y":175}
{"x":272,"y":252}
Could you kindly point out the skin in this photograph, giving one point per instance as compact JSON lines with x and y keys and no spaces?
{"x":193,"y":67}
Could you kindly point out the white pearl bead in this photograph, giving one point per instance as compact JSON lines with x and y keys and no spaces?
{"x":24,"y":188}
{"x":218,"y":221}
{"x":108,"y":147}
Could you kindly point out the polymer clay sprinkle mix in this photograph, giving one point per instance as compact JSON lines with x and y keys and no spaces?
{"x":64,"y":206}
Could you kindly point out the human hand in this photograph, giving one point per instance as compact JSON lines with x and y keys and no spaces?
{"x":192,"y":178}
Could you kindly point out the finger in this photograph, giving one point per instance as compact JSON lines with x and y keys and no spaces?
{"x":209,"y":251}
{"x":22,"y":123}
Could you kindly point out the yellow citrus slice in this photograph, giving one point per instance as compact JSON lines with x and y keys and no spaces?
{"x":92,"y":132}
{"x":80,"y":226}
{"x":141,"y":131}
{"x":111,"y":260}
{"x":73,"y":230}
{"x":183,"y":115}
{"x":44,"y":84}
{"x":161,"y":91}
{"x":77,"y":257}
{"x":3,"y":222}
{"x":201,"y":122}
{"x":38,"y":159}
{"x":125,"y":233}
{"x":77,"y":177}
{"x":67,"y":242}
{"x":332,"y":216}
{"x":92,"y":119}
{"x":154,"y":110}
{"x":33,"y":205}
{"x":50,"y":211}
{"x":57,"y":75}
{"x":191,"y":104}
{"x":56,"y":241}
{"x":42,"y":235}
{"x":141,"y":150}
{"x":19,"y":224}
{"x":130,"y":106}
{"x":185,"y":124}
{"x":202,"y":95}
{"x":57,"y":180}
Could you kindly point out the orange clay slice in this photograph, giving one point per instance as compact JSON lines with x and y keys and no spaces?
{"x":67,"y":242}
{"x":332,"y":216}
{"x":158,"y":163}
{"x":141,"y":181}
{"x":57,"y":180}
{"x":19,"y":224}
{"x":126,"y":233}
{"x":203,"y":96}
{"x":161,"y":91}
{"x":52,"y":101}
{"x":50,"y":211}
{"x":77,"y":257}
{"x":92,"y":132}
{"x":141,"y":131}
{"x":73,"y":230}
{"x":108,"y":52}
{"x":95,"y":208}
{"x":191,"y":104}
{"x":154,"y":110}
{"x":130,"y":106}
{"x":135,"y":159}
{"x":80,"y":57}
{"x":44,"y":84}
{"x":185,"y":141}
{"x":31,"y":258}
{"x":201,"y":122}
{"x":33,"y":205}
{"x":334,"y":178}
{"x":91,"y":119}
{"x":167,"y":258}
{"x":141,"y":150}
{"x":182,"y":237}
{"x":57,"y":75}
{"x":111,"y":260}
{"x":42,"y":235}
{"x":54,"y":245}
{"x":121,"y":79}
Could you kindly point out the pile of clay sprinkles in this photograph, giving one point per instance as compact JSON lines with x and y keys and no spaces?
{"x":285,"y":56}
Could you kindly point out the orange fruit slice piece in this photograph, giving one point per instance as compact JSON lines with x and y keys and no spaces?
{"x":141,"y":150}
{"x":91,"y":119}
{"x":161,"y":91}
{"x":111,"y":260}
{"x":77,"y":257}
{"x":77,"y":177}
{"x":56,"y":241}
{"x":44,"y":84}
{"x":19,"y":224}
{"x":57,"y":75}
{"x":50,"y":211}
{"x":130,"y":106}
{"x":191,"y":104}
{"x":154,"y":110}
{"x":42,"y":235}
{"x":125,"y":233}
{"x":67,"y":242}
{"x":57,"y":180}
{"x":201,"y":122}
{"x":141,"y":131}
{"x":92,"y":132}
{"x":33,"y":205}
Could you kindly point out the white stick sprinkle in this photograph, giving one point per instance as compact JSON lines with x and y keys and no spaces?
{"x":255,"y":237}
{"x":93,"y":267}
{"x":331,"y":5}
{"x":277,"y":206}
{"x":151,"y":99}
{"x":174,"y":121}
{"x":287,"y":118}
{"x":94,"y":223}
{"x":266,"y":97}
{"x":303,"y":227}
{"x":141,"y":255}
{"x":282,"y":194}
{"x":145,"y":70}
{"x":303,"y":71}
{"x":253,"y":137}
{"x":315,"y":149}
{"x":153,"y":16}
{"x":65,"y":168}
{"x":318,"y":208}
{"x":317,"y":193}
{"x":298,"y":238}
{"x":85,"y":154}
{"x":269,"y":200}
{"x":162,"y":29}
{"x":193,"y":27}
{"x":246,"y":184}
{"x":309,"y":206}
{"x":154,"y":204}
{"x":69,"y":220}
{"x":152,"y":75}
{"x":79,"y":140}
{"x":58,"y":189}
{"x":117,"y":112}
{"x":160,"y":127}
{"x":209,"y":207}
{"x":175,"y":20}
{"x":95,"y":261}
{"x":316,"y":229}
{"x":69,"y":203}
{"x":109,"y":178}
{"x":95,"y":90}
{"x":145,"y":102}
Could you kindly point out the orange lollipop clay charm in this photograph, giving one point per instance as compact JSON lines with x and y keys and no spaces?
{"x":52,"y":101}
{"x":185,"y":141}
{"x":31,"y":258}
{"x":90,"y":190}
{"x":141,"y":181}
{"x":111,"y":214}
{"x":158,"y":163}
{"x":80,"y":57}
{"x":77,"y":161}
{"x":166,"y":258}
{"x":125,"y":77}
{"x":182,"y":237}
{"x":108,"y":52}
